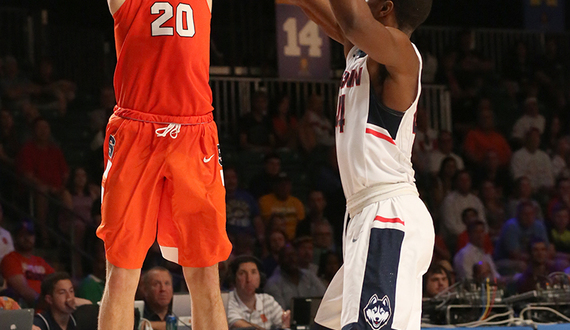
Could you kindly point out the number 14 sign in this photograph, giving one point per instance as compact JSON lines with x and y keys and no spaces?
{"x":303,"y":48}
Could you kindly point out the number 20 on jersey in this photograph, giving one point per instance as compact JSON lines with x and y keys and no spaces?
{"x":183,"y":21}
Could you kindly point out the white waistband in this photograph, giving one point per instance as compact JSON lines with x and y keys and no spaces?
{"x":376,"y":193}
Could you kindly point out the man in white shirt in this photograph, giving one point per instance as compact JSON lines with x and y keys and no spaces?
{"x":533,"y":163}
{"x":473,"y":253}
{"x":530,"y":119}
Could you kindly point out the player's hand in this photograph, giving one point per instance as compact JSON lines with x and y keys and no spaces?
{"x":286,"y":319}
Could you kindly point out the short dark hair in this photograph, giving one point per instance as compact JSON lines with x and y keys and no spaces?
{"x":411,"y":13}
{"x":49,"y":282}
{"x":146,"y":275}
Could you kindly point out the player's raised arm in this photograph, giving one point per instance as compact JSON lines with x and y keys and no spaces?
{"x":364,"y":23}
{"x":320,"y":12}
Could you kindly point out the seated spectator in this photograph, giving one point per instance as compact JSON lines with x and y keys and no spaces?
{"x":289,"y":281}
{"x":536,"y":275}
{"x":58,"y":292}
{"x":6,"y":303}
{"x":533,"y":163}
{"x":43,"y":163}
{"x":323,"y":239}
{"x":425,"y":143}
{"x":276,"y":240}
{"x":6,"y":242}
{"x":281,"y":202}
{"x":246,"y":307}
{"x":562,"y":196}
{"x":305,"y":254}
{"x":559,"y":233}
{"x":315,"y":129}
{"x":316,"y":204}
{"x":242,"y":211}
{"x":23,"y":271}
{"x":15,"y":87}
{"x":510,"y":251}
{"x":255,"y":128}
{"x":494,"y":207}
{"x":530,"y":119}
{"x":469,"y":216}
{"x":262,"y":183}
{"x":494,"y":172}
{"x":522,"y":193}
{"x":9,"y":142}
{"x":453,"y":205}
{"x":483,"y":271}
{"x":443,"y":184}
{"x":158,"y":292}
{"x":329,"y":265}
{"x":484,"y":138}
{"x":284,"y":125}
{"x":560,"y":157}
{"x":436,"y":280}
{"x":444,"y":150}
{"x":473,"y":252}
{"x":91,"y":288}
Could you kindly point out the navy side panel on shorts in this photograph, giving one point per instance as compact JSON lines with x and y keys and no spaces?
{"x":379,"y":288}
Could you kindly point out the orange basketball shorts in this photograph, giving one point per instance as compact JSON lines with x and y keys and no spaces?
{"x":163,"y":181}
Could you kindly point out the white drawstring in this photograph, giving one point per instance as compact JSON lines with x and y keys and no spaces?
{"x":172,"y":128}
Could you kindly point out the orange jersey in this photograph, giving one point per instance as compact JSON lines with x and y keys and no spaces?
{"x":163,"y":57}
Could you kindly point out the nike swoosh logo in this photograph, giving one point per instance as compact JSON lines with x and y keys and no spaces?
{"x":206,"y":160}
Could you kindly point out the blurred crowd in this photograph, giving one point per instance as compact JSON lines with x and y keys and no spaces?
{"x":497,"y":185}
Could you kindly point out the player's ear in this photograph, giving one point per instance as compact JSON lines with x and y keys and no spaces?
{"x":387,"y":8}
{"x":49,"y":299}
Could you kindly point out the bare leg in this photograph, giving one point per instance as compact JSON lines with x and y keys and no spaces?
{"x":118,"y":303}
{"x":207,"y":307}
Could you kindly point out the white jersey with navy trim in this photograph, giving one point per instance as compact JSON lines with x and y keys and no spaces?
{"x":374,"y":143}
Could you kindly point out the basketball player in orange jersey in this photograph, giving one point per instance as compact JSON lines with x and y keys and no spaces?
{"x":163,"y":171}
{"x":388,"y":237}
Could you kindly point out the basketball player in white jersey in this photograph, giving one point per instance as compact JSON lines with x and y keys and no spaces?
{"x":388,"y":238}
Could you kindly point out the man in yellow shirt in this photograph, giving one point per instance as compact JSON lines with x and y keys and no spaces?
{"x":282,"y":203}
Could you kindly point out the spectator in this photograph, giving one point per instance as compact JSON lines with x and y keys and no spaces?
{"x":443,"y":183}
{"x":533,"y":163}
{"x":530,"y":119}
{"x":98,"y":120}
{"x":281,"y":202}
{"x":522,"y":193}
{"x":473,"y":252}
{"x":323,"y":240}
{"x":492,"y":171}
{"x":425,"y":142}
{"x":436,"y":280}
{"x":158,"y":292}
{"x":9,"y":143}
{"x":560,"y":233}
{"x":91,"y":288}
{"x":6,"y":242}
{"x":305,"y":254}
{"x":484,"y":138}
{"x":255,"y":129}
{"x":59,"y":294}
{"x":510,"y":252}
{"x":562,"y":196}
{"x":246,"y":307}
{"x":42,"y":162}
{"x":316,"y":203}
{"x":483,"y":271}
{"x":23,"y":271}
{"x":469,"y":216}
{"x":242,"y":211}
{"x":276,"y":241}
{"x":519,"y":67}
{"x":559,"y":157}
{"x":494,"y":207}
{"x":315,"y":130}
{"x":262,"y":183}
{"x":453,"y":205}
{"x":444,"y":150}
{"x":536,"y":275}
{"x":289,"y":281}
{"x":14,"y":86}
{"x":285,"y":125}
{"x":330,"y":263}
{"x":79,"y":198}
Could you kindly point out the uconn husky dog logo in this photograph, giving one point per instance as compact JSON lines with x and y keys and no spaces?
{"x":377,"y":312}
